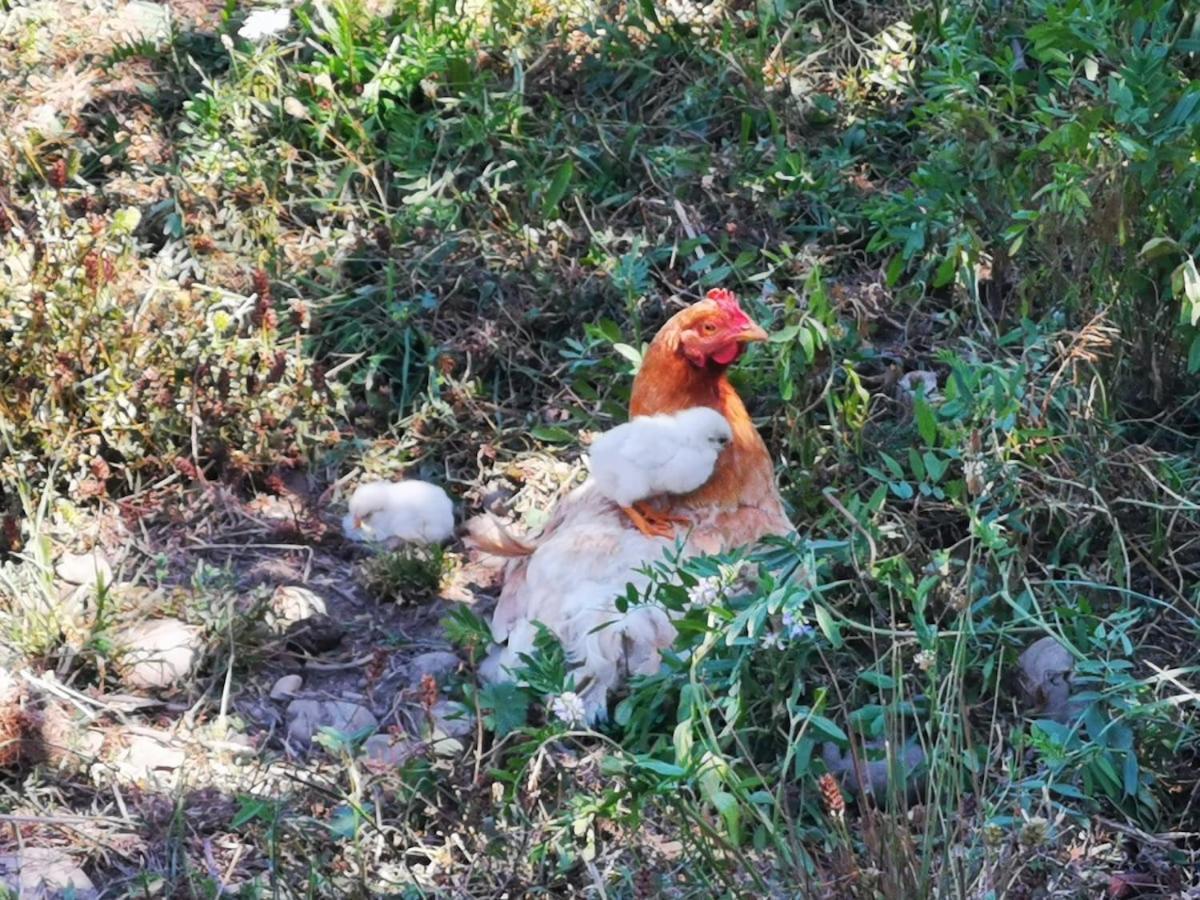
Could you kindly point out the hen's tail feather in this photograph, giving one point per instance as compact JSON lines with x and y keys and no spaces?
{"x":488,"y":534}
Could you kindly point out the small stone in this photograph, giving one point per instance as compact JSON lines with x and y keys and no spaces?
{"x":452,"y":719}
{"x":438,"y":663}
{"x":84,"y":568}
{"x":156,"y":654}
{"x":307,"y":717}
{"x":42,"y":873}
{"x":911,"y":382}
{"x":1044,"y":678}
{"x":318,"y":634}
{"x":140,"y":20}
{"x":148,"y":758}
{"x":386,"y":751}
{"x":286,"y":687}
{"x":291,"y":603}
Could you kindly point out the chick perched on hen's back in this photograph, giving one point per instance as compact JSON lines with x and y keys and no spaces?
{"x":654,"y":455}
{"x":411,"y":511}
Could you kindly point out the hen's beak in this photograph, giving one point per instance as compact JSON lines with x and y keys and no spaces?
{"x":751,"y":334}
{"x":358,"y":520}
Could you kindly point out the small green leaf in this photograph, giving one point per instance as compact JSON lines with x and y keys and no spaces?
{"x":803,"y":757}
{"x":726,"y":804}
{"x":252,"y":808}
{"x":783,"y":335}
{"x":1129,"y":773}
{"x":504,"y":705}
{"x":895,"y":269}
{"x":877,"y":679}
{"x":659,"y":767}
{"x":551,"y":434}
{"x":558,"y":187}
{"x":1194,"y":356}
{"x":828,"y":729}
{"x":808,"y":344}
{"x":459,"y":72}
{"x":875,"y":504}
{"x":1156,"y":247}
{"x":1066,"y":790}
{"x":926,"y":423}
{"x":828,"y":626}
{"x":892,"y":465}
{"x":916,"y":464}
{"x":630,"y":353}
{"x":935,"y":467}
{"x":946,"y":271}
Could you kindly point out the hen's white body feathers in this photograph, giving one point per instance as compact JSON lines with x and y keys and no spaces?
{"x":411,"y":511}
{"x":570,"y":586}
{"x":664,"y":454}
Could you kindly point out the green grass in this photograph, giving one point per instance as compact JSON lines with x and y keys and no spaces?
{"x":399,"y":233}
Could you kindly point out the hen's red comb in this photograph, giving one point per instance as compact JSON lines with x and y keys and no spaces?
{"x":727,"y":303}
{"x":725,"y":299}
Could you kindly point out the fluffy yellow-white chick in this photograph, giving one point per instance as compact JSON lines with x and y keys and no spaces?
{"x":653,"y":455}
{"x":413,"y":511}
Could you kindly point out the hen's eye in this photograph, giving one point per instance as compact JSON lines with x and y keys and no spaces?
{"x":709,"y":328}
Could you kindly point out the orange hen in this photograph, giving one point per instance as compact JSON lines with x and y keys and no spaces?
{"x":686,"y":366}
{"x":569,"y":576}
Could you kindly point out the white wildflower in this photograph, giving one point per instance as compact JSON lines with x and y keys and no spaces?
{"x":705,"y":592}
{"x":925,"y":660}
{"x":568,"y":707}
{"x":973,"y":475}
{"x":263,"y":24}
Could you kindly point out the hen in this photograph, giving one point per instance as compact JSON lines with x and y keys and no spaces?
{"x":401,"y":510}
{"x":655,"y":455}
{"x":569,"y":577}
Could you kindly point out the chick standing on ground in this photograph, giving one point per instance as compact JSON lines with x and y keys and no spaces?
{"x":653,"y":455}
{"x":414,"y":511}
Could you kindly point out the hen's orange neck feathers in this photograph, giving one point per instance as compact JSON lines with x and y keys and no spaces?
{"x":669,"y":381}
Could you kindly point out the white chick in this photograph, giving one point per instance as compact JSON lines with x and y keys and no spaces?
{"x":653,"y":455}
{"x":401,"y":510}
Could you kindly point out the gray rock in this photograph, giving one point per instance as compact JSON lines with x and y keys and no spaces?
{"x":84,"y":568}
{"x":452,"y":719}
{"x":42,"y":873}
{"x":872,"y":775}
{"x":384,"y":750}
{"x":438,"y":663}
{"x":147,"y":759}
{"x":157,"y":654}
{"x":141,"y":20}
{"x":286,"y":687}
{"x":306,"y":717}
{"x":910,"y":382}
{"x":1044,"y":678}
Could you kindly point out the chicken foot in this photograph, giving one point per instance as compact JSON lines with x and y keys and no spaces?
{"x":651,"y":522}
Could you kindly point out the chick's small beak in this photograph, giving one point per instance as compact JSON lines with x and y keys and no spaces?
{"x":751,"y":334}
{"x":358,"y":520}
